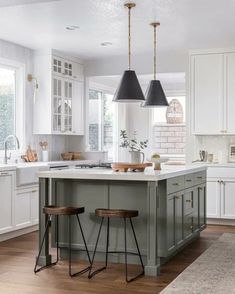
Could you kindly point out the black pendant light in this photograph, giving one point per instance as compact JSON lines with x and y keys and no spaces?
{"x":155,"y":96}
{"x":129,"y":89}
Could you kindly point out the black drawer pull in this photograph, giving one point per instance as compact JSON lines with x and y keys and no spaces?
{"x":175,"y":184}
{"x":188,"y":180}
{"x":199,"y":177}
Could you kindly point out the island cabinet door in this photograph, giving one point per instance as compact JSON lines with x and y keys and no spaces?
{"x":170,"y":240}
{"x":202,"y":205}
{"x":189,"y":197}
{"x":179,"y":202}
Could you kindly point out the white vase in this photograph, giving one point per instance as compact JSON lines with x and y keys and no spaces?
{"x":136,"y":156}
{"x":44,"y":155}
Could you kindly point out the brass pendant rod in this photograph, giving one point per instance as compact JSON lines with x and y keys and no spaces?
{"x":155,"y":24}
{"x":129,"y":6}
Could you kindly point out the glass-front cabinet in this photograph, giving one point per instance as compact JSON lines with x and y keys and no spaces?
{"x":62,"y":106}
{"x":58,"y":107}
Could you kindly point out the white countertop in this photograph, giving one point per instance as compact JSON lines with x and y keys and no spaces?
{"x":107,"y":174}
{"x":14,"y":166}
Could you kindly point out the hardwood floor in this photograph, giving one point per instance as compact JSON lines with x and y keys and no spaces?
{"x":17,"y":257}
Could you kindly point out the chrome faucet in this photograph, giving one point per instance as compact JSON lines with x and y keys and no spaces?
{"x":5,"y":147}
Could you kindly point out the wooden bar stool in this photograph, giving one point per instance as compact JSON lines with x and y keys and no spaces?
{"x":57,"y":211}
{"x":116,"y":213}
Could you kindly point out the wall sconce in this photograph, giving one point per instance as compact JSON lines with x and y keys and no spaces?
{"x":31,"y":78}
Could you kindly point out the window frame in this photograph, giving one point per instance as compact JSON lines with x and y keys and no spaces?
{"x":103,"y":89}
{"x":19,"y":102}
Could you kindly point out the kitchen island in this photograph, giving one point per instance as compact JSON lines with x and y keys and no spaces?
{"x":171,"y":205}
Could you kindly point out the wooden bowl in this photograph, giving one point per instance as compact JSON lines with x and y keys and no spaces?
{"x":67,"y":156}
{"x":76,"y":155}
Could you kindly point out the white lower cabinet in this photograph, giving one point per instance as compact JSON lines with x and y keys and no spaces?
{"x":26,"y":206}
{"x":221,"y":198}
{"x":213,"y":198}
{"x":7,"y":189}
{"x":228,"y":198}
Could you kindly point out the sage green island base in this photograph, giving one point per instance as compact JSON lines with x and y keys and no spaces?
{"x":171,"y":211}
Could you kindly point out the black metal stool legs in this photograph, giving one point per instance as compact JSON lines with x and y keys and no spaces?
{"x":57,"y":246}
{"x":91,"y":274}
{"x":70,"y":250}
{"x":137,"y":246}
{"x":36,"y":270}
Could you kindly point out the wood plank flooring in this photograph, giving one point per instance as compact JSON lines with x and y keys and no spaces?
{"x":17,"y":258}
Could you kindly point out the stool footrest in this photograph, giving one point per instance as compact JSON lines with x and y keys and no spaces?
{"x":45,"y":266}
{"x":81,"y":272}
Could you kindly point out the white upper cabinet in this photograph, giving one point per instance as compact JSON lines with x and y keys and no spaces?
{"x":212,"y":92}
{"x":58,"y":107}
{"x":230,"y":93}
{"x":66,"y":68}
{"x":207,"y":93}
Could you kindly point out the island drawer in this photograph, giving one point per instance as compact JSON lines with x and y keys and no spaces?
{"x":189,"y":181}
{"x":199,"y":178}
{"x":175,"y":184}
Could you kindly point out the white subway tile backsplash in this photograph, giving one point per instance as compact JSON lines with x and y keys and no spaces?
{"x":169,"y":139}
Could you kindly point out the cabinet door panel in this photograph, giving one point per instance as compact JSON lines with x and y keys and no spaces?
{"x":228,"y":199}
{"x":207,"y":93}
{"x":170,"y":222}
{"x":202,"y":205}
{"x":213,"y":199}
{"x":34,"y":209}
{"x":188,"y":226}
{"x":179,"y":202}
{"x":6,"y":198}
{"x":22,"y":209}
{"x":230,"y":93}
{"x":188,"y":201}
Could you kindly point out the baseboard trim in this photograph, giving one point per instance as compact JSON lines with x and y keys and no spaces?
{"x":17,"y":233}
{"x":219,"y":221}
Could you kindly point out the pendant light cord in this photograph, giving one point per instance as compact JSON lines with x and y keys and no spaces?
{"x":155,"y":53}
{"x":129,"y":37}
{"x":155,"y":24}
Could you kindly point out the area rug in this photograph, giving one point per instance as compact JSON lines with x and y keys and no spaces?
{"x":213,"y":272}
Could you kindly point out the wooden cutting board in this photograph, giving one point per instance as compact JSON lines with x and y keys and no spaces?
{"x":124,"y":167}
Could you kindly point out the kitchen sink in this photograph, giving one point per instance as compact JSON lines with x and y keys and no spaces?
{"x":26,"y":173}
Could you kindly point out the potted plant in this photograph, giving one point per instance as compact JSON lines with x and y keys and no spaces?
{"x":134,"y":146}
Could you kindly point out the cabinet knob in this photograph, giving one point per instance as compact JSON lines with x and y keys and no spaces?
{"x":191,"y":227}
{"x":175,"y":184}
{"x":177,"y":197}
{"x":189,"y":200}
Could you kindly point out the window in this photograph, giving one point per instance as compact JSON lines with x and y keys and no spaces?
{"x":169,"y":128}
{"x":101,"y":113}
{"x":11,"y":103}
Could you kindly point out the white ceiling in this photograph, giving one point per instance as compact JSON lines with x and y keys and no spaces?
{"x":185,"y":24}
{"x":21,"y":2}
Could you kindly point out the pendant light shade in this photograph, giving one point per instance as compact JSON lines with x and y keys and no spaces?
{"x":129,"y":89}
{"x":155,"y":96}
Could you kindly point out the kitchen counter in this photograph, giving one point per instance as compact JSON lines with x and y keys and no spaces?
{"x":146,"y":192}
{"x":107,"y":174}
